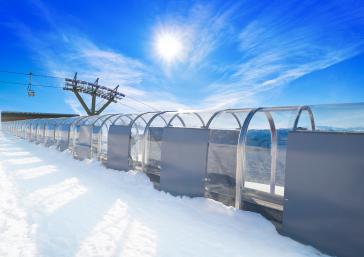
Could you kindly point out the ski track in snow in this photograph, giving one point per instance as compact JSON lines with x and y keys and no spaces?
{"x":53,"y":205}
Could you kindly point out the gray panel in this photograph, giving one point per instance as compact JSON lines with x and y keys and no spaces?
{"x":183,"y":164}
{"x":83,"y":148}
{"x":324,"y":194}
{"x":82,"y":152}
{"x":84,"y":136}
{"x":63,"y":142}
{"x":118,"y":147}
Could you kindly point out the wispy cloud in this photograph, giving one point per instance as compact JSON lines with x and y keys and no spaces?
{"x":202,"y":31}
{"x":236,"y":53}
{"x":75,"y":106}
{"x":62,"y":54}
{"x":281,"y":45}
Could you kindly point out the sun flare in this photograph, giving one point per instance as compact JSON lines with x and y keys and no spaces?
{"x":169,"y":47}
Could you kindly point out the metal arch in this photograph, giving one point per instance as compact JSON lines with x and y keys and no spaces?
{"x":106,"y":116}
{"x":39,"y":123}
{"x":153,"y":118}
{"x":75,"y":122}
{"x":60,"y":121}
{"x":133,"y":121}
{"x":34,"y":130}
{"x":310,"y":114}
{"x":236,"y":118}
{"x":90,"y":118}
{"x":145,"y":132}
{"x":73,"y":125}
{"x":72,"y":119}
{"x":176,"y":116}
{"x":200,"y":118}
{"x":67,"y":119}
{"x":33,"y":125}
{"x":140,"y":115}
{"x":105,"y":120}
{"x":241,"y":153}
{"x":273,"y":152}
{"x":44,"y":128}
{"x":120,"y":116}
{"x":241,"y":156}
{"x":99,"y":133}
{"x":232,"y":111}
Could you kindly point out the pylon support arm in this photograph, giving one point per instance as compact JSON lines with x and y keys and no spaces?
{"x":82,"y":102}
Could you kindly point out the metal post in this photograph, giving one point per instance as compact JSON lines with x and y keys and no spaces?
{"x":241,"y":157}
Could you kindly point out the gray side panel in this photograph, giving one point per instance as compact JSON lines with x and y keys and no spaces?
{"x":324,"y":194}
{"x":63,"y":142}
{"x":82,"y":152}
{"x":183,"y":165}
{"x":118,"y":147}
{"x":82,"y":149}
{"x":85,"y":135}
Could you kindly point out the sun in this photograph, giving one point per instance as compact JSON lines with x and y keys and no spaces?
{"x":169,"y":47}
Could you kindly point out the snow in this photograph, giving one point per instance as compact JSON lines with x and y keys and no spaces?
{"x":279,"y":190}
{"x":53,"y":205}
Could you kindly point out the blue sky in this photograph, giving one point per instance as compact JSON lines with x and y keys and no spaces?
{"x":235,"y":53}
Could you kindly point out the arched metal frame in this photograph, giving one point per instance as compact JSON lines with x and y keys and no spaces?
{"x":54,"y":123}
{"x":146,"y":131}
{"x":231,"y":111}
{"x":121,"y":116}
{"x":310,"y":114}
{"x":38,"y":123}
{"x":30,"y":129}
{"x":68,"y":121}
{"x":87,"y":121}
{"x":242,"y":144}
{"x":131,"y":124}
{"x":73,"y":126}
{"x":177,"y":115}
{"x":167,"y":124}
{"x":104,"y":119}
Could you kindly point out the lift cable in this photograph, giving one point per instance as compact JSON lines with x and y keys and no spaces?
{"x":36,"y":75}
{"x":148,"y":105}
{"x":55,"y":77}
{"x":131,"y":107}
{"x":26,"y":84}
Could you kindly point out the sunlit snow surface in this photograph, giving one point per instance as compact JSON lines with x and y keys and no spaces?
{"x":52,"y":205}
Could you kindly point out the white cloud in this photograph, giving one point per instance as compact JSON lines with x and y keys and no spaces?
{"x":75,"y":106}
{"x":278,"y":47}
{"x":271,"y":48}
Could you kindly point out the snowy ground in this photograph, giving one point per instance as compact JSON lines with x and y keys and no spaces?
{"x":52,"y":205}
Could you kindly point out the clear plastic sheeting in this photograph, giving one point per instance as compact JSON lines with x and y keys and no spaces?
{"x":152,"y":145}
{"x":224,"y":127}
{"x":339,"y":117}
{"x":246,"y":147}
{"x":261,"y":154}
{"x":50,"y":131}
{"x":63,"y":130}
{"x":100,"y":129}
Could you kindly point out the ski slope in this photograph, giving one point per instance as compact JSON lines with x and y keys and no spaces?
{"x":53,"y":205}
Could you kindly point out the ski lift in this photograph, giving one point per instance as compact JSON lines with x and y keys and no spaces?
{"x":31,"y":92}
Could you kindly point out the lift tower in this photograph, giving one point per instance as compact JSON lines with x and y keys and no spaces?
{"x":95,"y":90}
